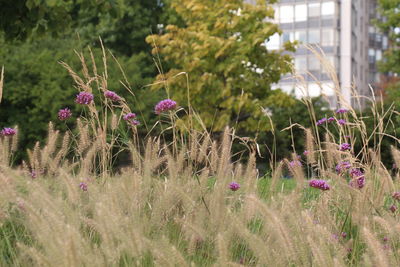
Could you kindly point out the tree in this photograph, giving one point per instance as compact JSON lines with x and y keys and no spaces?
{"x":222,"y":50}
{"x":390,"y":25}
{"x":20,"y":19}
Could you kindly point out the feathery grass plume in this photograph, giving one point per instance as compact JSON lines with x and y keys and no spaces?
{"x":310,"y":148}
{"x":396,"y":155}
{"x":377,"y":255}
{"x":114,"y":122}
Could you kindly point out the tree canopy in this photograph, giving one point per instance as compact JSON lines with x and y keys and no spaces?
{"x":222,"y":50}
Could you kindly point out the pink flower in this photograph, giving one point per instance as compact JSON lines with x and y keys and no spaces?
{"x":84,"y":98}
{"x":306,"y":152}
{"x":8,"y":132}
{"x":112,"y":96}
{"x":64,"y":114}
{"x":342,"y":122}
{"x":165,"y":105}
{"x":331,"y":119}
{"x":234,"y":186}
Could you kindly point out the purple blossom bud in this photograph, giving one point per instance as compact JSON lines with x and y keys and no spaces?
{"x":64,"y":114}
{"x":306,"y":152}
{"x":343,"y":234}
{"x":342,"y":122}
{"x":112,"y":96}
{"x":234,"y":186}
{"x":385,"y":239}
{"x":83,"y":186}
{"x":393,"y":208}
{"x":320,"y":184}
{"x":84,"y":98}
{"x":345,"y":146}
{"x":8,"y":132}
{"x":165,"y":105}
{"x":331,"y":119}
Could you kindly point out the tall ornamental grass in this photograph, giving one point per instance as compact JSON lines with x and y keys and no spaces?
{"x":186,"y":201}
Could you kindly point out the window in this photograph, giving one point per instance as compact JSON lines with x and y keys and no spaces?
{"x":313,"y":36}
{"x":314,"y":89}
{"x":273,"y":42}
{"x":300,"y":64}
{"x":384,"y":42}
{"x":332,"y":61}
{"x":287,"y":36}
{"x":328,"y":8}
{"x":327,"y":37}
{"x":286,"y":14}
{"x":301,"y":36}
{"x":371,"y":55}
{"x":378,"y":55}
{"x":314,"y":10}
{"x":301,"y":12}
{"x":313,"y":63}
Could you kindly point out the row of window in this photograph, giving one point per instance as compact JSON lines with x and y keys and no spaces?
{"x":301,"y":12}
{"x":322,"y":37}
{"x":312,"y":63}
{"x":310,"y":89}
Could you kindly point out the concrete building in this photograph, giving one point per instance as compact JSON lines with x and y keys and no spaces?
{"x":343,"y":30}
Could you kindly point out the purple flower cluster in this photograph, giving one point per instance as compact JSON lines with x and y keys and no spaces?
{"x":341,"y":111}
{"x":345,"y":146}
{"x":321,"y":121}
{"x":343,"y":166}
{"x":320,"y":184}
{"x":165,"y":105}
{"x":396,"y":196}
{"x":83,"y":186}
{"x":64,"y":114}
{"x":131,"y":118}
{"x":358,"y":178}
{"x":8,"y":132}
{"x":84,"y":98}
{"x":234,"y":186}
{"x":295,"y":163}
{"x":112,"y":96}
{"x":342,"y":122}
{"x":331,"y":119}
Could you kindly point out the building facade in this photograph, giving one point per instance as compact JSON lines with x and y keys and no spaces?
{"x":346,"y":42}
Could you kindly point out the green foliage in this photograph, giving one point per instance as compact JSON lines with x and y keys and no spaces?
{"x":37,"y":86}
{"x":389,"y":9}
{"x":219,"y":63}
{"x":20,"y":19}
{"x":123,"y":32}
